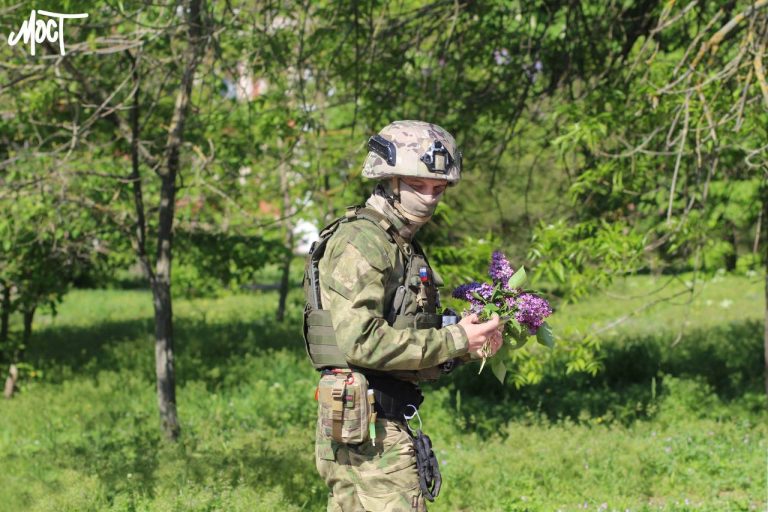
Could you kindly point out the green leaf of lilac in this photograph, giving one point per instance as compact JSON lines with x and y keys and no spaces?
{"x":513,"y":328}
{"x":510,"y":334}
{"x":499,"y":369}
{"x":518,"y":343}
{"x":544,"y":335}
{"x":517,"y":279}
{"x":478,"y":297}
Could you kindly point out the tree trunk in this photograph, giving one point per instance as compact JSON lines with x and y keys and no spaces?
{"x":164,"y":359}
{"x":5,"y":315}
{"x":13,"y":371}
{"x":28,"y":315}
{"x":10,"y":381}
{"x":288,"y":227}
{"x":160,"y":278}
{"x":732,"y":257}
{"x":765,"y":264}
{"x":161,"y":284}
{"x":285,"y":278}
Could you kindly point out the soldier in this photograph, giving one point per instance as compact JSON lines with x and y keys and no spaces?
{"x":372,"y":320}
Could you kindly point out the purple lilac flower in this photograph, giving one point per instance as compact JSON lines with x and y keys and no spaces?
{"x":464,"y":291}
{"x":485,"y":290}
{"x":500,"y":270}
{"x":531,"y":311}
{"x":475,"y":309}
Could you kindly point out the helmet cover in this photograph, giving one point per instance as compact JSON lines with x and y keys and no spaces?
{"x":413,"y":149}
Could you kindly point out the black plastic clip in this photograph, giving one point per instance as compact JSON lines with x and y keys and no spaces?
{"x":383,"y":148}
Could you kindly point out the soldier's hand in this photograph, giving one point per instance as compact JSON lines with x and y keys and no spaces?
{"x":480,"y":332}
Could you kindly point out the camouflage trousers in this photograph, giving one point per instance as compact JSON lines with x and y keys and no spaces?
{"x":368,"y":477}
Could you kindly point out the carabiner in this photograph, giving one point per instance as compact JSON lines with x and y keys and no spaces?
{"x":408,"y":418}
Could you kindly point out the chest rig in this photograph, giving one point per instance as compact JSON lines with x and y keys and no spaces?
{"x":413,"y":304}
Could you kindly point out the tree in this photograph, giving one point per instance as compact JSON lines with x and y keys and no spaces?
{"x":97,"y":88}
{"x":46,"y":242}
{"x":670,"y":150}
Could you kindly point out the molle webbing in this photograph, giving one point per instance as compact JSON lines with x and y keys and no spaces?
{"x":321,"y":340}
{"x":420,"y":321}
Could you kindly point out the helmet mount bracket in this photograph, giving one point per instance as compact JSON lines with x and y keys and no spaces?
{"x":384,"y":148}
{"x":437,"y":158}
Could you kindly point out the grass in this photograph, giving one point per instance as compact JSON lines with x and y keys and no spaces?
{"x":674,"y":304}
{"x":676,"y":420}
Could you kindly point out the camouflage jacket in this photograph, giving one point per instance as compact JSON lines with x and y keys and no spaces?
{"x":359,"y":274}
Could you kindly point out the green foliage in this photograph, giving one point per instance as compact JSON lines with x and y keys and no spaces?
{"x":213,"y":263}
{"x":642,"y":419}
{"x":463,"y":262}
{"x":544,"y":335}
{"x":576,"y":259}
{"x":674,"y":170}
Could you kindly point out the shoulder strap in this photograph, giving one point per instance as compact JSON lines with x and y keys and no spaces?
{"x":361,"y":212}
{"x":311,"y":269}
{"x":317,"y":250}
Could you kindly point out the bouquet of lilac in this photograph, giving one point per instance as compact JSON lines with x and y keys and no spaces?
{"x":521,"y":311}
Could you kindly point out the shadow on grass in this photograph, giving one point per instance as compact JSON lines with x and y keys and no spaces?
{"x":200,"y":347}
{"x":221,"y":355}
{"x":259,"y":467}
{"x":262,"y":467}
{"x":727,"y":359}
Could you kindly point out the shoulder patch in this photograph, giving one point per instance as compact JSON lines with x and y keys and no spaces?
{"x":349,"y":272}
{"x":372,"y":243}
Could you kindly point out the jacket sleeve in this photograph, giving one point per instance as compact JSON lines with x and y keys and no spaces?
{"x":353,"y":275}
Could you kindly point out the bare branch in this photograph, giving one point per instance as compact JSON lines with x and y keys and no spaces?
{"x":714,"y":42}
{"x":760,"y":72}
{"x":639,"y":310}
{"x":683,"y":136}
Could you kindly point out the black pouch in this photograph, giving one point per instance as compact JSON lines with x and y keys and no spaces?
{"x":430,"y":479}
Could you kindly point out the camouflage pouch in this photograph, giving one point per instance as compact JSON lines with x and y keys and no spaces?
{"x":346,"y":407}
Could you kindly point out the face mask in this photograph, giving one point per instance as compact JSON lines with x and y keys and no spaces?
{"x":417,"y":204}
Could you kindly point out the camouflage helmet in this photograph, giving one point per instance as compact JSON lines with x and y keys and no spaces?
{"x":413,"y":149}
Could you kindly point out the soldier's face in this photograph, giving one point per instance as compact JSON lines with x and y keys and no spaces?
{"x":427,"y":187}
{"x":419,"y":196}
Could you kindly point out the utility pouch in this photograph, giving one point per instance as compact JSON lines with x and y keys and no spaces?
{"x":346,"y":407}
{"x":430,"y":479}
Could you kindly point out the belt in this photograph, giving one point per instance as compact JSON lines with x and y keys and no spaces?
{"x":394,"y":398}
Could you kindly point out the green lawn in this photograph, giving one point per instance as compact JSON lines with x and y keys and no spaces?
{"x":676,"y":420}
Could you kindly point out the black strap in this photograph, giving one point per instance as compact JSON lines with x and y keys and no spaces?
{"x":393,"y":396}
{"x":430,"y":478}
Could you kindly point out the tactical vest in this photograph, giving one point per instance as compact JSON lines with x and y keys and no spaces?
{"x":415,"y":302}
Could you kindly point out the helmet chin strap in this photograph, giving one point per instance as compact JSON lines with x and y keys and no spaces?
{"x":395,"y":202}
